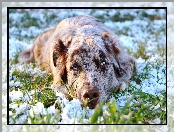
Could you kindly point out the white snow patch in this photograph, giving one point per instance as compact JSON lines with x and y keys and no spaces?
{"x":15,"y":95}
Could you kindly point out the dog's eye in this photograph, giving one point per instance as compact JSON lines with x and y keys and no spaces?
{"x":103,"y":63}
{"x":75,"y":67}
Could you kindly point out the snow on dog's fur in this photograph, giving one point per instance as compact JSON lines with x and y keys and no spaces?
{"x":83,"y":53}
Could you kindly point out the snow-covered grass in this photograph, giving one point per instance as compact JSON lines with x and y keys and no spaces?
{"x":31,"y":99}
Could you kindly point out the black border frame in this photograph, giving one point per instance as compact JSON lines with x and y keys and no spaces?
{"x":76,"y":8}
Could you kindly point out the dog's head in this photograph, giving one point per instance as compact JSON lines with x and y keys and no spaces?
{"x":92,"y":66}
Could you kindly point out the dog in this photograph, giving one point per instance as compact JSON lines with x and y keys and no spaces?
{"x":83,"y":53}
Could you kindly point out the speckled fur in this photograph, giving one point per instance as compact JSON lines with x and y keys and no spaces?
{"x":84,"y":52}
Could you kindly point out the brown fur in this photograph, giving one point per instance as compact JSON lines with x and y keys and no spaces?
{"x":84,"y":53}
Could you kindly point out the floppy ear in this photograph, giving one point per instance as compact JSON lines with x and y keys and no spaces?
{"x":124,"y":64}
{"x":59,"y":57}
{"x":128,"y":65}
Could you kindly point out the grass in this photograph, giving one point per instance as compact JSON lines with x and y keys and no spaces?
{"x":140,"y":107}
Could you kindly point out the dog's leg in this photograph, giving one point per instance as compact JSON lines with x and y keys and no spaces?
{"x":26,"y":56}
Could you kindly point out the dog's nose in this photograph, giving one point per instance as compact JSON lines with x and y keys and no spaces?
{"x":92,"y":96}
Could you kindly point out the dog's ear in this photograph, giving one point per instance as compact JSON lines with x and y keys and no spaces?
{"x":59,"y":53}
{"x":60,"y":50}
{"x":59,"y":60}
{"x":111,"y":43}
{"x":125,"y":66}
{"x":128,"y":64}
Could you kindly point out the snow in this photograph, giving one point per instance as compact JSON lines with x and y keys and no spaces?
{"x":38,"y":109}
{"x":72,"y":109}
{"x":15,"y":95}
